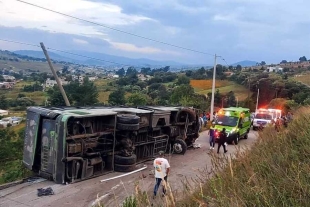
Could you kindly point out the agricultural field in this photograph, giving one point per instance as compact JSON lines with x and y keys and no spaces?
{"x":224,"y":86}
{"x":303,"y":78}
{"x":104,"y":89}
{"x":38,"y":96}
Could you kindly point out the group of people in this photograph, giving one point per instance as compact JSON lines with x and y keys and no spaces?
{"x":221,"y":138}
{"x":162,"y":166}
{"x":205,"y":117}
{"x":283,"y":121}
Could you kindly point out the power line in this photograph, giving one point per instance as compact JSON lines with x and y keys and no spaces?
{"x":21,"y":43}
{"x":118,"y":30}
{"x":225,"y":62}
{"x":33,"y":45}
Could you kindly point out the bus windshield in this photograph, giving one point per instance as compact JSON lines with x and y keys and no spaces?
{"x":227,"y":120}
{"x":263,"y":116}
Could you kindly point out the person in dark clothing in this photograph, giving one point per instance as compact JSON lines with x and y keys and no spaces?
{"x":222,"y":141}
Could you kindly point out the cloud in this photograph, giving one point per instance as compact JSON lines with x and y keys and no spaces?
{"x":13,"y":13}
{"x":235,"y":29}
{"x":79,"y":41}
{"x":133,"y":48}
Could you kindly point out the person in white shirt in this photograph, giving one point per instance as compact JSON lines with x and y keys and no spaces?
{"x":162,"y":169}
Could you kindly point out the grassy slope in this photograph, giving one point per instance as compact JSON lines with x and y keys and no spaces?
{"x":23,"y":65}
{"x":274,"y":173}
{"x":205,"y":86}
{"x":305,"y":78}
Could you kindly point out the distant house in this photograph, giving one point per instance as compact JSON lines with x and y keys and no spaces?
{"x":50,"y":83}
{"x":115,"y":76}
{"x":274,"y":69}
{"x":4,"y":112}
{"x":78,"y":78}
{"x":6,"y":85}
{"x":9,"y":78}
{"x":93,"y":78}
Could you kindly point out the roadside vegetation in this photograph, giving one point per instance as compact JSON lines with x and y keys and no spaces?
{"x":274,"y":172}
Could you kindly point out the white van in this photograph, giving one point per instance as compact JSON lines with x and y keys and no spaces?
{"x":264,"y":117}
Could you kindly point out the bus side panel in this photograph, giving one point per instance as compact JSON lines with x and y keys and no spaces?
{"x":30,"y":142}
{"x":59,"y":168}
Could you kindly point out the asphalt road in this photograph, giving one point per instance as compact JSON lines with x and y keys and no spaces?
{"x":113,"y":192}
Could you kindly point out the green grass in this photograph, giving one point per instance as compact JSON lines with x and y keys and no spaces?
{"x":38,"y":96}
{"x":304,"y":78}
{"x":240,"y":91}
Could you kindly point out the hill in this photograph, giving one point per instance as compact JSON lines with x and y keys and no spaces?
{"x":142,"y":62}
{"x":12,"y":61}
{"x":245,"y":63}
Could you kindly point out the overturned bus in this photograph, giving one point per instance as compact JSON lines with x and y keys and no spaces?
{"x":70,"y":144}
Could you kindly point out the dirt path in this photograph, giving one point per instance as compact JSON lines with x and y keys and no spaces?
{"x":112,"y":193}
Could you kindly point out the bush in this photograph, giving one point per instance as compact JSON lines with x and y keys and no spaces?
{"x":274,"y":173}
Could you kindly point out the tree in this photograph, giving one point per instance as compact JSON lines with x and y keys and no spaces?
{"x":183,"y":80}
{"x":239,"y":68}
{"x":262,"y":63}
{"x":283,"y":62}
{"x":85,"y":94}
{"x":303,"y":59}
{"x":189,"y":73}
{"x":117,"y":97}
{"x":1,"y":78}
{"x":131,"y":71}
{"x":121,"y":72}
{"x":182,"y":95}
{"x":65,"y":69}
{"x":218,"y":98}
{"x":146,"y":71}
{"x":137,"y":99}
{"x":231,"y":99}
{"x":3,"y":102}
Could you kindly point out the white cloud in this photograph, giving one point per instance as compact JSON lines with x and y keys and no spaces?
{"x":79,"y":41}
{"x":133,"y":48}
{"x":14,"y":14}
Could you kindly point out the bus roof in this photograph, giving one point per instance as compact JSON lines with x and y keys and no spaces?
{"x":236,"y":109}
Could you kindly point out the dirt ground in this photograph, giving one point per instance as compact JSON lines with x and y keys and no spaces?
{"x":113,"y":192}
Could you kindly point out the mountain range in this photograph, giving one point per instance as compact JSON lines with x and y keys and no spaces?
{"x":83,"y":57}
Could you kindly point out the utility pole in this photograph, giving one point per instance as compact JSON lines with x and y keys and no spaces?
{"x":257,"y":99}
{"x":213,"y":88}
{"x":62,"y":91}
{"x":249,"y":80}
{"x":257,"y":95}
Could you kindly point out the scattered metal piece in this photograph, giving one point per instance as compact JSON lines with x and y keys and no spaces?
{"x":124,"y":174}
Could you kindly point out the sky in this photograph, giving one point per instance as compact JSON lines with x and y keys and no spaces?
{"x":258,"y":30}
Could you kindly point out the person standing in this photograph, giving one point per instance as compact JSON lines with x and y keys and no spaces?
{"x":204,"y":117}
{"x":222,"y":141}
{"x":162,"y":169}
{"x":212,"y":135}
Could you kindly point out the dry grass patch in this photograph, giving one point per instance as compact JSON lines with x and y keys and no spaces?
{"x":207,"y":84}
{"x":304,"y":79}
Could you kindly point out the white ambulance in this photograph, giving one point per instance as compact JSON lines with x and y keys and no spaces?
{"x":265,"y":117}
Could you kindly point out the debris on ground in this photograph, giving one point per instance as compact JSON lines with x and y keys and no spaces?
{"x":196,"y":146}
{"x":45,"y":192}
{"x":33,"y":180}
